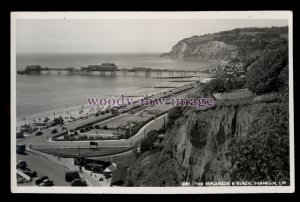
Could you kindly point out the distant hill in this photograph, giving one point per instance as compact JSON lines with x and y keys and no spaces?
{"x":243,"y":44}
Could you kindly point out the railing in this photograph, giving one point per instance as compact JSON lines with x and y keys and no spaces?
{"x":60,"y":146}
{"x":70,"y":151}
{"x":70,"y":146}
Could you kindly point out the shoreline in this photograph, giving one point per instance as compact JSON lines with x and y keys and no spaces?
{"x":86,"y":110}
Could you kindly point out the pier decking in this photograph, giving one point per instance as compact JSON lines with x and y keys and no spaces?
{"x":37,"y":69}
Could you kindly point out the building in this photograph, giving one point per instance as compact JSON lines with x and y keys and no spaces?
{"x":96,"y":165}
{"x":103,"y":67}
{"x":108,"y":66}
{"x":33,"y":69}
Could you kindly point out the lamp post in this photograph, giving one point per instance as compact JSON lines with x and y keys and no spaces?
{"x":130,"y":125}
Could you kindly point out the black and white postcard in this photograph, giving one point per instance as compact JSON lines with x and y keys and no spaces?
{"x":152,"y":102}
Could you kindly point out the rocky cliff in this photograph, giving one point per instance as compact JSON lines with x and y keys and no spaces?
{"x":243,"y":44}
{"x":198,"y":148}
{"x":203,"y":51}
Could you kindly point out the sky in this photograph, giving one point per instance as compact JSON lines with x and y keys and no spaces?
{"x":119,"y":35}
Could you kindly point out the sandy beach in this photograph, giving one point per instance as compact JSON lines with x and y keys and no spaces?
{"x":84,"y":110}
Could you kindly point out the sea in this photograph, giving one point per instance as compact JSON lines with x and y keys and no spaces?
{"x":43,"y":95}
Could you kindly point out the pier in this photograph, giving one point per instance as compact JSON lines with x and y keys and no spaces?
{"x":105,"y":69}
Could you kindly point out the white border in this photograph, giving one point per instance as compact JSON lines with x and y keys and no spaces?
{"x":151,"y":15}
{"x":156,"y":15}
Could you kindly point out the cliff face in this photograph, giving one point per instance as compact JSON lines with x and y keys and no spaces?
{"x":203,"y":51}
{"x":245,"y":44}
{"x":196,"y":148}
{"x":201,"y":143}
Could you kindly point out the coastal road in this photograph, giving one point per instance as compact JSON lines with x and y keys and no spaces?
{"x":43,"y":142}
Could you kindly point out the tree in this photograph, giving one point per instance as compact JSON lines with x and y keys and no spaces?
{"x":147,"y":143}
{"x":267,"y":74}
{"x":214,"y":85}
{"x":283,"y":79}
{"x":263,"y":154}
{"x":174,"y":114}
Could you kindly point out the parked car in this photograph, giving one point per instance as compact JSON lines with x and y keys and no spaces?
{"x":40,"y":180}
{"x":46,"y":183}
{"x":71,"y":175}
{"x":44,"y":178}
{"x":78,"y":182}
{"x":21,"y":164}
